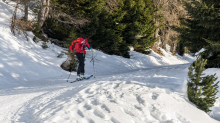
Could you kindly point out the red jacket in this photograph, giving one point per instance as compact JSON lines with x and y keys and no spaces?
{"x":79,"y":45}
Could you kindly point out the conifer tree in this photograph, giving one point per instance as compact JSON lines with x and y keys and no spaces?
{"x":105,"y":33}
{"x":201,"y":90}
{"x":139,"y":21}
{"x":202,"y":30}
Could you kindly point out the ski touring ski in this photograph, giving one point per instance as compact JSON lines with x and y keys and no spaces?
{"x":82,"y":79}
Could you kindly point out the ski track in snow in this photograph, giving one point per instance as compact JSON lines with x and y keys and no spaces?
{"x":134,"y":98}
{"x":136,"y":90}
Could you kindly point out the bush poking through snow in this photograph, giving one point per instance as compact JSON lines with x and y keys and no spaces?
{"x":21,"y":25}
{"x":60,"y":55}
{"x":44,"y":45}
{"x":201,"y":90}
{"x":140,"y":49}
{"x":35,"y":39}
{"x":71,"y":63}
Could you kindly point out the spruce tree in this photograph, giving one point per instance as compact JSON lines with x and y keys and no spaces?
{"x":139,"y":20}
{"x":201,"y":90}
{"x":202,"y":29}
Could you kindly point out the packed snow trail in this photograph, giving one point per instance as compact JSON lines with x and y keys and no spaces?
{"x":144,"y":88}
{"x":148,"y":96}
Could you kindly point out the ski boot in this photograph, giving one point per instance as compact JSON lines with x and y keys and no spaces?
{"x":78,"y":78}
{"x":83,"y":76}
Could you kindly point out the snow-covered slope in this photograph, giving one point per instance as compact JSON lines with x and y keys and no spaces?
{"x":21,"y":60}
{"x":143,"y":89}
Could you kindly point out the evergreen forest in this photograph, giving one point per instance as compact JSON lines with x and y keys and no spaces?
{"x":201,"y":29}
{"x":111,"y":26}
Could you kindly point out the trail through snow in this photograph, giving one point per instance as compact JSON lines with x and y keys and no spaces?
{"x":143,"y":89}
{"x":147,"y":96}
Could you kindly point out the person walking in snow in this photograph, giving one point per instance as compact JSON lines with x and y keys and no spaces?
{"x":79,"y":46}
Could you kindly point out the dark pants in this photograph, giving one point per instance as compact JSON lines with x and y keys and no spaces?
{"x":81,"y":58}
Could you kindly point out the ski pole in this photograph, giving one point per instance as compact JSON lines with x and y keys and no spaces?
{"x":93,"y":63}
{"x":70,"y":72}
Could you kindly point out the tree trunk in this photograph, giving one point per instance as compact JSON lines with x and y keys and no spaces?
{"x":44,"y":11}
{"x":173,"y":48}
{"x":26,"y":10}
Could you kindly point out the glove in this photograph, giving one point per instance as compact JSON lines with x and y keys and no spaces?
{"x":83,"y":43}
{"x":89,"y":47}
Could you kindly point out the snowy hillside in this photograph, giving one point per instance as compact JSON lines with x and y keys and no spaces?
{"x":143,"y":89}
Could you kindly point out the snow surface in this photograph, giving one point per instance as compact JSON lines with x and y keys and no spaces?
{"x":143,"y":89}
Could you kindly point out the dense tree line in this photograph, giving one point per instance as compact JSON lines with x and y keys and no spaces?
{"x":202,"y":30}
{"x":111,"y":25}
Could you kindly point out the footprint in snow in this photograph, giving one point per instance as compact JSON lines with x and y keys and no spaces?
{"x":95,"y":102}
{"x":87,"y":91}
{"x":80,"y":113}
{"x":155,"y":96}
{"x":182,"y":119}
{"x":106,"y":108}
{"x":90,"y":121}
{"x":140,"y":100}
{"x":113,"y":101}
{"x":128,"y":112}
{"x":99,"y":114}
{"x":116,"y":86}
{"x":137,"y":107}
{"x":114,"y":120}
{"x":87,"y":107}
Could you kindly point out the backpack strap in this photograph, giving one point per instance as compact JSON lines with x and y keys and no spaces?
{"x":74,"y":43}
